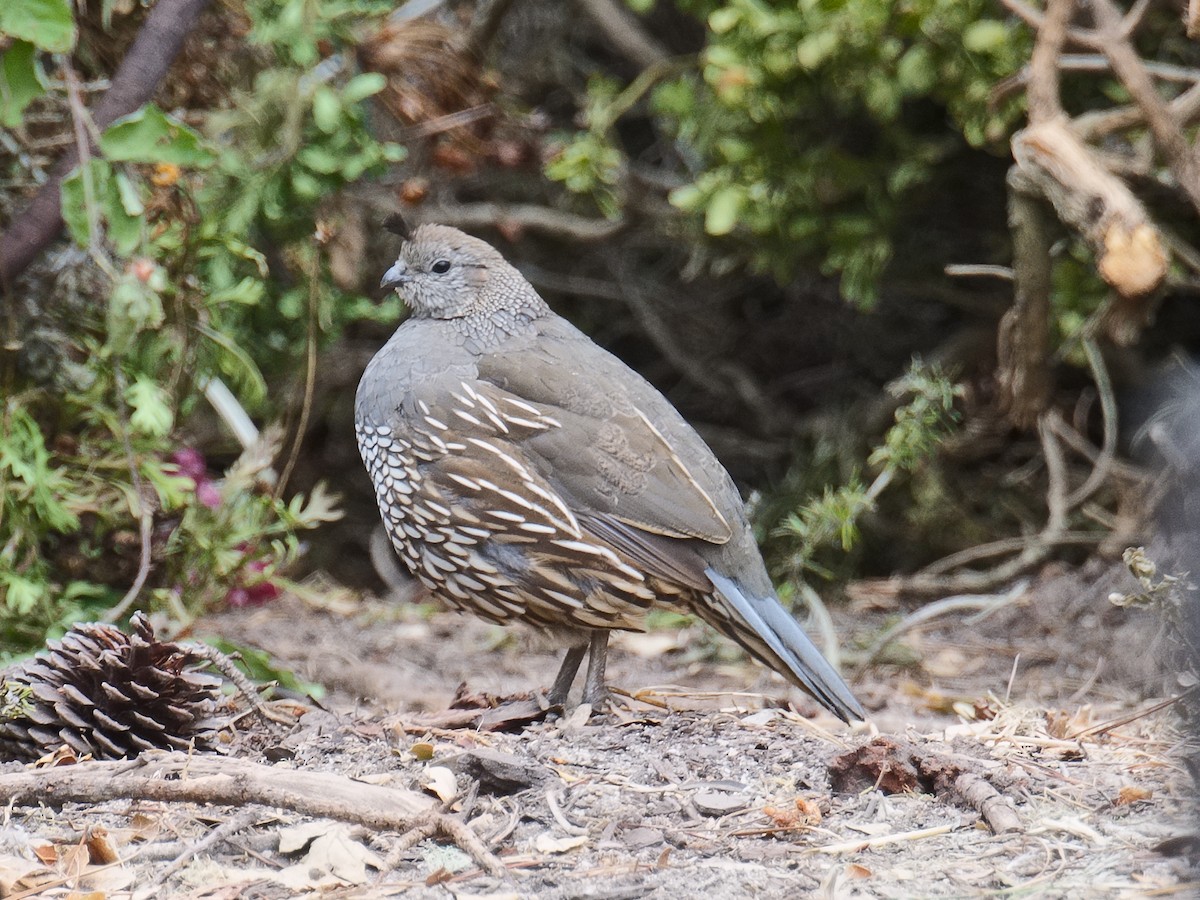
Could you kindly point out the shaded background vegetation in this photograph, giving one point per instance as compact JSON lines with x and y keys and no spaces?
{"x":753,"y":203}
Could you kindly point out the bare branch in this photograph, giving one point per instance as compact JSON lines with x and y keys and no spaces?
{"x":1129,"y":250}
{"x":505,"y":215}
{"x":1023,"y":346}
{"x":1131,"y":70}
{"x":1043,"y":64}
{"x":622,"y":30}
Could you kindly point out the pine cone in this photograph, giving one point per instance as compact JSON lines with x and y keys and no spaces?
{"x":103,"y":692}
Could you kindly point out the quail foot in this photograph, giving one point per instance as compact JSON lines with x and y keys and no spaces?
{"x":524,"y":473}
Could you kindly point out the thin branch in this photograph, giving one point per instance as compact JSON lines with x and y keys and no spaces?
{"x":1095,"y":62}
{"x":1185,"y":109}
{"x":931,"y":611}
{"x":968,"y":270}
{"x":529,"y":216}
{"x":1108,"y":407}
{"x":1131,"y":70}
{"x":140,"y":74}
{"x":1034,"y":549}
{"x":145,"y":497}
{"x":624,"y":32}
{"x":223,"y":831}
{"x":1043,"y":64}
{"x":310,"y":376}
{"x":1036,"y":19}
{"x":1023,"y":343}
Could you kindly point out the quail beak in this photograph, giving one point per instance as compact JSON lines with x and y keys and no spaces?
{"x":396,"y":276}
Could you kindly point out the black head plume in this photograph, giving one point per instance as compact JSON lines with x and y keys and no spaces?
{"x":396,"y":224}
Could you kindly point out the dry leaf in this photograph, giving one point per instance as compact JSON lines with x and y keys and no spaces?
{"x":855,"y":870}
{"x":332,"y":852}
{"x":19,"y":874}
{"x":47,"y":853}
{"x":1062,"y":724}
{"x":297,"y":837}
{"x":73,"y":861}
{"x":548,"y":843}
{"x":86,"y":895}
{"x":145,"y":827}
{"x":1132,"y":794}
{"x":440,"y":781}
{"x":63,"y":756}
{"x":578,"y":718}
{"x":801,"y":814}
{"x":100,"y":848}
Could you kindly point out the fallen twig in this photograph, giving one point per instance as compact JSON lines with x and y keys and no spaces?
{"x":893,"y":765}
{"x":854,"y":845}
{"x":180,"y":778}
{"x":1094,"y":730}
{"x":221,"y":832}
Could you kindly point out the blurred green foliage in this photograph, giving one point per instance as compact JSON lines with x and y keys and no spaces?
{"x":178,"y":223}
{"x":807,"y":125}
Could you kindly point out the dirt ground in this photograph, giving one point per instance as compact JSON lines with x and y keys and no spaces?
{"x":712,"y":779}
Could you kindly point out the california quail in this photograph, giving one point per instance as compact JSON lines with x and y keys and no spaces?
{"x":525,"y":473}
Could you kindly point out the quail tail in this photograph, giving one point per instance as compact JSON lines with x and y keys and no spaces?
{"x":788,"y":642}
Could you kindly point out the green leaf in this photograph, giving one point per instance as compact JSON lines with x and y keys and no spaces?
{"x":360,"y":87}
{"x":151,"y":136}
{"x":74,"y":207}
{"x":151,"y":413}
{"x":238,"y":364}
{"x":48,"y":24}
{"x":133,"y":307}
{"x":985,"y":36}
{"x":20,"y":82}
{"x":916,"y":72}
{"x":723,"y":19}
{"x":723,"y":209}
{"x":124,"y":229}
{"x":327,"y":109}
{"x":131,"y":202}
{"x":21,"y":595}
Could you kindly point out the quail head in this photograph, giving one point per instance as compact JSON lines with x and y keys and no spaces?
{"x":524,"y":473}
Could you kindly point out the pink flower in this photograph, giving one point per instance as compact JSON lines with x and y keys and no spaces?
{"x":192,"y":465}
{"x":252,"y":588}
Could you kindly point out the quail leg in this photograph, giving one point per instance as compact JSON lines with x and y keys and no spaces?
{"x":566,"y":676}
{"x":595,"y":691}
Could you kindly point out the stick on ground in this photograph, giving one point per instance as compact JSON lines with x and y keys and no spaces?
{"x":179,"y":778}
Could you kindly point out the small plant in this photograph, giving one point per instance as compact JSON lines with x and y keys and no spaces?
{"x":920,"y":425}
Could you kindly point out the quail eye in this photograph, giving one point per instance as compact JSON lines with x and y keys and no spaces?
{"x":441,"y":267}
